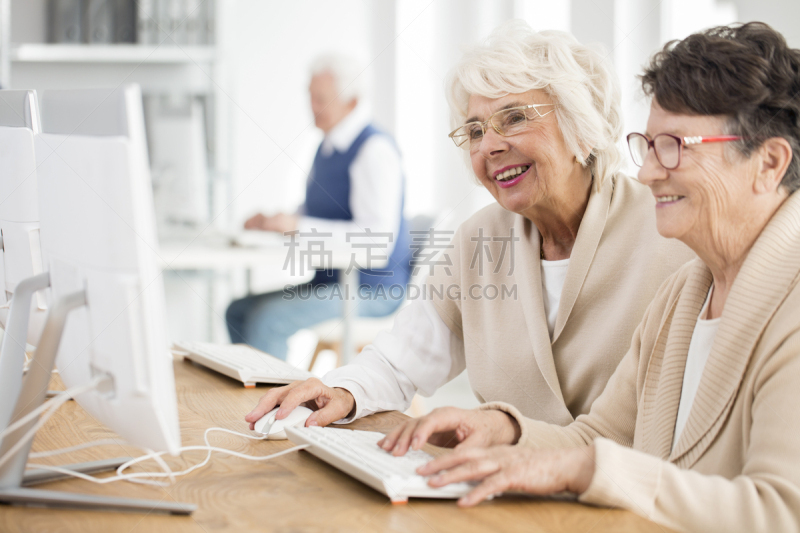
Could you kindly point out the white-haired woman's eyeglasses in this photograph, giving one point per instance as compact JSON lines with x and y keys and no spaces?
{"x":506,"y":122}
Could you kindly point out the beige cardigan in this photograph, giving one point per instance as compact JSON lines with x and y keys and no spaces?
{"x":736,"y":466}
{"x":617,"y":264}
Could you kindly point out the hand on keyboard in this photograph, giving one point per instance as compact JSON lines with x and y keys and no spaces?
{"x":331,"y":404}
{"x":452,"y":427}
{"x":511,"y":468}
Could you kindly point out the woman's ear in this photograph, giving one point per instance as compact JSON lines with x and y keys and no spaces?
{"x":774,"y":154}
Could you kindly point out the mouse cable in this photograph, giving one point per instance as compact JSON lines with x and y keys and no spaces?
{"x":49,"y":407}
{"x":140,"y":477}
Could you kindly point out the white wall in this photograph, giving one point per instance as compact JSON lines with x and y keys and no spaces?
{"x":783,"y":15}
{"x":268,"y":47}
{"x":631,"y":31}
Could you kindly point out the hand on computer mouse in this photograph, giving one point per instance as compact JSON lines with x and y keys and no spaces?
{"x":331,"y":404}
{"x":275,"y":429}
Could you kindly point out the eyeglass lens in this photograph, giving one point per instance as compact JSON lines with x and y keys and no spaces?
{"x":667,"y":149}
{"x":507,"y":122}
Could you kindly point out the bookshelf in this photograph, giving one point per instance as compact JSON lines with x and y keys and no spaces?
{"x":168,"y":71}
{"x":110,"y":53}
{"x":174,"y":78}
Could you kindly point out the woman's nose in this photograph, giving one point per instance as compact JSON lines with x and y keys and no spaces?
{"x":651,"y":170}
{"x":492,"y":143}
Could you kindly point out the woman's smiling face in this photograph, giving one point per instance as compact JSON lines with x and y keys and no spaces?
{"x":701,"y":200}
{"x":523,"y":170}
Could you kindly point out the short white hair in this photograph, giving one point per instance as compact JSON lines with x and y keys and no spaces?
{"x":580,"y":80}
{"x":347,"y":74}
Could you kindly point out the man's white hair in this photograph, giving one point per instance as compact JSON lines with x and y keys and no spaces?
{"x":347,"y":74}
{"x":580,"y":80}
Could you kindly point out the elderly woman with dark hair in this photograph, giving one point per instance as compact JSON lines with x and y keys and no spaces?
{"x":540,"y":291}
{"x":697,"y":428}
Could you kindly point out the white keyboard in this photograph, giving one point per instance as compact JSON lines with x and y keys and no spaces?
{"x":241,"y":362}
{"x":258,"y":239}
{"x":356,"y":453}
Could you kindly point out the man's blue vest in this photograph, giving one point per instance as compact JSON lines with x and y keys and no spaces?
{"x":328,"y":196}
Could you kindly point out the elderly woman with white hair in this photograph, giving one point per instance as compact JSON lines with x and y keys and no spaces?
{"x":561,"y":267}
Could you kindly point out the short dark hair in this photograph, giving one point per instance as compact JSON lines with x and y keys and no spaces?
{"x":746,"y":72}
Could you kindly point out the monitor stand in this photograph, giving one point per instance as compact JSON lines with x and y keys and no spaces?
{"x":12,"y":362}
{"x":32,"y":395}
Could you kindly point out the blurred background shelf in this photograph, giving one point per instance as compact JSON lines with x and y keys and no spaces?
{"x":111,"y":53}
{"x":169,"y":48}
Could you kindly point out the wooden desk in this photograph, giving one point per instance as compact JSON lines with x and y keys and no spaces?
{"x":296,"y":492}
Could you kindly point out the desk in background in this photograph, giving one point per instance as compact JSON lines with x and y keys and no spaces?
{"x":216,"y":253}
{"x":296,"y":492}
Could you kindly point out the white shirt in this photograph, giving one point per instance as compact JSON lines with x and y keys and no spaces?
{"x":554,"y":273}
{"x":420,"y":354}
{"x":699,"y":349}
{"x":376,"y":182}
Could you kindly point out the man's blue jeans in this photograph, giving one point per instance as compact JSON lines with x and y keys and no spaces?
{"x":266,"y":321}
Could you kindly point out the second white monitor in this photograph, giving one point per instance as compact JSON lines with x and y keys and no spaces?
{"x":98,"y":234}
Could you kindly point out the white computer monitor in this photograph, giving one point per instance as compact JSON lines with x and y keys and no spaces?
{"x":98,"y":234}
{"x":99,"y":242}
{"x":20,"y":253}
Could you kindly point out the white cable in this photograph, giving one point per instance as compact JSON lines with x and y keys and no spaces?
{"x":168,"y":473}
{"x":92,"y":444}
{"x":56,"y":403}
{"x":29,"y":435}
{"x":163,"y":465}
{"x":134,"y":476}
{"x":52,"y":405}
{"x":210,"y":449}
{"x":60,"y":399}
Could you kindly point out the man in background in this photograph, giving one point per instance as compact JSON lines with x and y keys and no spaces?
{"x":355,"y":185}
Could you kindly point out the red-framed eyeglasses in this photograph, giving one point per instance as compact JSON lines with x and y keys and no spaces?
{"x":668,"y":147}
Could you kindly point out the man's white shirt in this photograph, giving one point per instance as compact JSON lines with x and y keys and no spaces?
{"x":376,"y":183}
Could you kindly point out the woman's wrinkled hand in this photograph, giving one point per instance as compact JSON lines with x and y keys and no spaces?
{"x":452,"y":427}
{"x":511,"y":468}
{"x":330,"y":404}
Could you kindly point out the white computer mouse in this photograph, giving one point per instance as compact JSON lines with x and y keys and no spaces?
{"x":268,"y":423}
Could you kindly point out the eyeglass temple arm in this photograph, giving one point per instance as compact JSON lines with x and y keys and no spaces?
{"x":711,"y":139}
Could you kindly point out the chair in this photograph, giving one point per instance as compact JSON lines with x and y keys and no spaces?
{"x":364,"y":329}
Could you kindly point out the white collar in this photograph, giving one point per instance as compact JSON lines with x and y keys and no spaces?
{"x":342,"y":135}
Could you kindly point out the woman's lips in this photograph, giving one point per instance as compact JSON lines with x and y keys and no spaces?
{"x":514,"y":181}
{"x":666,"y":200}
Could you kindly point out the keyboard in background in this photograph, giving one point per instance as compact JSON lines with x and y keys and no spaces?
{"x":240,"y":362}
{"x":258,"y":239}
{"x":357,"y":454}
